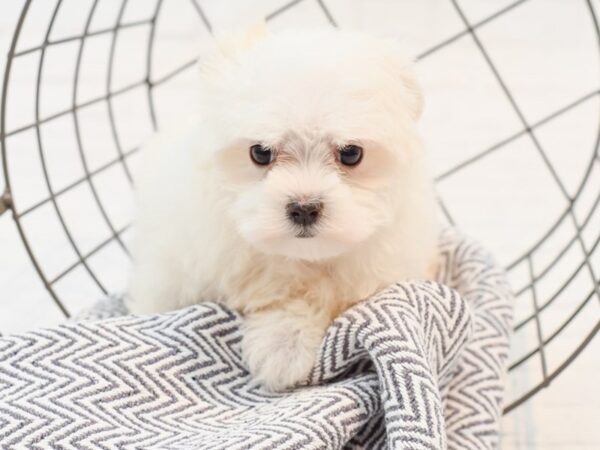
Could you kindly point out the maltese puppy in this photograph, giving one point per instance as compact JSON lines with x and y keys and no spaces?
{"x":299,"y":189}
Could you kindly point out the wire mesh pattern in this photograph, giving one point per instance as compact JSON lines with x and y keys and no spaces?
{"x":129,"y":107}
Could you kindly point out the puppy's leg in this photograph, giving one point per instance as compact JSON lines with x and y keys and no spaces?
{"x":280,"y":345}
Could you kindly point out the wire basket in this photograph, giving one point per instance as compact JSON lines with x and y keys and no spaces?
{"x":70,"y":132}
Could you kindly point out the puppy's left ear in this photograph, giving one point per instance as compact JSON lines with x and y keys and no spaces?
{"x":233,"y":44}
{"x":222,"y":51}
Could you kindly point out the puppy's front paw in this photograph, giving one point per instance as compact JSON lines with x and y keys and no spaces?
{"x":280,"y":349}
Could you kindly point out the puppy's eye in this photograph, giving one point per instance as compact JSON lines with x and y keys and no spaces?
{"x":262,"y":156}
{"x":350,"y":155}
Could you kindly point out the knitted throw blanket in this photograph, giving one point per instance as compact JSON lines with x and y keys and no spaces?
{"x":420,"y":365}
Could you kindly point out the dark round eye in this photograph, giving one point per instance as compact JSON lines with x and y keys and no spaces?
{"x":261,"y":155}
{"x":350,"y":155}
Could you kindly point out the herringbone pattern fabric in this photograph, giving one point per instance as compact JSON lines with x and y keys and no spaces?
{"x":420,"y":365}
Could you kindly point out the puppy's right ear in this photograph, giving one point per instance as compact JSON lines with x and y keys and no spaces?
{"x":225,"y":49}
{"x":414,"y":94}
{"x":401,"y":69}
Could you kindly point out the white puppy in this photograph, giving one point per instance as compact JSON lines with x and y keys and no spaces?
{"x":299,"y":190}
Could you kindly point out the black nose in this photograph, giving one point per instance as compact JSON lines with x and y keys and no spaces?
{"x":304,"y":213}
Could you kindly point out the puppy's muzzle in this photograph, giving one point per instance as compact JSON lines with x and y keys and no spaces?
{"x":304,"y":214}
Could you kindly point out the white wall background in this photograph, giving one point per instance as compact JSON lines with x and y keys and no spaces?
{"x":545,"y":51}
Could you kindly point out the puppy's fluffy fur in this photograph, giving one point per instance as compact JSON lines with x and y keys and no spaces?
{"x":213,"y":225}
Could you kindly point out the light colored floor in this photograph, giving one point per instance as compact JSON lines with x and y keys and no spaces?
{"x":545,"y":52}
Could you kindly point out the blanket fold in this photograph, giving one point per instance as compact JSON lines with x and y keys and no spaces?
{"x":412,"y":333}
{"x":420,"y":365}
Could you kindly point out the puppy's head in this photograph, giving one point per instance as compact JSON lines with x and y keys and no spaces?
{"x":313,"y":131}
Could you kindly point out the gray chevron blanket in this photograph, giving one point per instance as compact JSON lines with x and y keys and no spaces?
{"x":420,"y":365}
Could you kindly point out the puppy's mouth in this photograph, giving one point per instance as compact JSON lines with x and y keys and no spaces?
{"x":305,"y":233}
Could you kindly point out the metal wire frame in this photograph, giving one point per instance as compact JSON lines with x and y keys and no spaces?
{"x":149,"y":84}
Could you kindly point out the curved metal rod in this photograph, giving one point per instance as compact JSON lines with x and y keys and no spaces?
{"x":137,"y":23}
{"x":570,"y":278}
{"x":111,"y":115}
{"x":555,"y":333}
{"x":7,"y":178}
{"x":44,"y":166}
{"x":81,"y":105}
{"x":513,"y":137}
{"x":5,"y":202}
{"x":82,"y":155}
{"x":75,"y":183}
{"x":593,"y":159}
{"x":152,"y":83}
{"x":531,"y":392}
{"x":149,"y":51}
